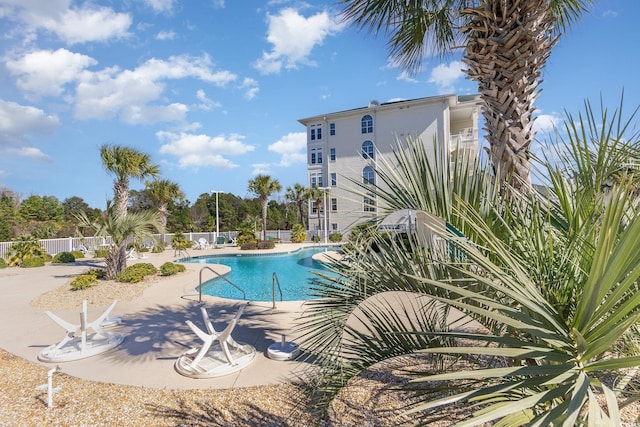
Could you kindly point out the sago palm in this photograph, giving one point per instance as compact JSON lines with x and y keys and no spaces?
{"x":132,"y":227}
{"x":506,"y":45}
{"x":536,"y":310}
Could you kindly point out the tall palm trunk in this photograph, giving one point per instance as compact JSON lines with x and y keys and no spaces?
{"x":508,"y":45}
{"x":264,"y":219}
{"x":300,"y":204}
{"x":121,"y":196}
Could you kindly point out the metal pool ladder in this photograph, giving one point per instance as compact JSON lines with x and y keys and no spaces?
{"x":244,"y":294}
{"x":274,"y":280}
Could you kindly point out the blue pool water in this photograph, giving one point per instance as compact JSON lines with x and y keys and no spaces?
{"x":253,"y":273}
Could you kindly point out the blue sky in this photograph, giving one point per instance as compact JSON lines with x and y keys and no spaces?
{"x":213,"y":90}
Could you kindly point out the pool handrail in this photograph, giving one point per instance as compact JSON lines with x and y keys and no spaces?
{"x":244,"y":294}
{"x":274,"y":280}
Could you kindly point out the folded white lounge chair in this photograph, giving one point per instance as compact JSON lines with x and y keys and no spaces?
{"x":74,"y":347}
{"x":219,"y":355}
{"x":131,"y":253}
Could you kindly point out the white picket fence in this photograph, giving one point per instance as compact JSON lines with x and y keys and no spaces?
{"x":54,"y":246}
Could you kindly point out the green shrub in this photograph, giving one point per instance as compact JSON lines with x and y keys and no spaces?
{"x":315,"y":238}
{"x":179,"y":242}
{"x":335,"y":237}
{"x":46,"y":257}
{"x":3,"y":263}
{"x":158,"y":248}
{"x":32,"y":262}
{"x":77,"y":254}
{"x":298,"y":233}
{"x":83,"y":281}
{"x":266,"y":244}
{"x":24,"y":249}
{"x":100,"y":273}
{"x":170,"y":268}
{"x":136,"y":273}
{"x":63,"y":258}
{"x":101,"y":253}
{"x":249,"y":246}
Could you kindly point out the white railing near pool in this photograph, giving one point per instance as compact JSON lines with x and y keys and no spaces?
{"x":67,"y":244}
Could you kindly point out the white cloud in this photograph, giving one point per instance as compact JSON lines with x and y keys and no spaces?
{"x":71,"y":24}
{"x":404,"y":76}
{"x":206,"y":103}
{"x":250,"y":86}
{"x":112,"y":91}
{"x":29,"y":152}
{"x":149,"y":114}
{"x":18,"y":121}
{"x":203,"y":150}
{"x":293,"y":38}
{"x":260,"y":169}
{"x":166,"y":35}
{"x":45,"y":72}
{"x":444,"y":76}
{"x":160,"y":5}
{"x":292,"y":148}
{"x":546,"y":122}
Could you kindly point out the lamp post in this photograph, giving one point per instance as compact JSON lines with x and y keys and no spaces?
{"x":217,"y":221}
{"x":324,"y":208}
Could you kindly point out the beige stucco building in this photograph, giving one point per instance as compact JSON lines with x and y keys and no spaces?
{"x":342,"y":145}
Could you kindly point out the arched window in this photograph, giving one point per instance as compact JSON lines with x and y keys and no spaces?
{"x":367,"y":124}
{"x":367,"y":150}
{"x":368,"y":175}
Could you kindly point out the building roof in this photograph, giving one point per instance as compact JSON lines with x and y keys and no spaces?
{"x":452,"y":99}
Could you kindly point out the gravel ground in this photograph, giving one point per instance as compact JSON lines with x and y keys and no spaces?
{"x":368,"y":401}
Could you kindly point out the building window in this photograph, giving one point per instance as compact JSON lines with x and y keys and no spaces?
{"x":367,"y":124}
{"x":314,"y":207}
{"x":334,"y":179}
{"x":313,"y":156}
{"x":316,"y":180}
{"x":319,"y":155}
{"x":315,"y":132}
{"x":368,"y":175}
{"x":369,"y":203}
{"x":334,"y":204}
{"x":332,"y":129}
{"x":334,"y":226}
{"x":367,"y":150}
{"x":332,"y":154}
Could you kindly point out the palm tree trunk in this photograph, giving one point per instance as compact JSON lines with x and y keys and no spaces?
{"x":508,"y":83}
{"x":264,"y":219}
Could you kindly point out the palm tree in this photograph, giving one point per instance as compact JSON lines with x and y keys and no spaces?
{"x":507,"y":44}
{"x":316,"y":195}
{"x":161,"y":192}
{"x":125,"y":163}
{"x":548,"y":282}
{"x":299,"y":195}
{"x":136,"y":226}
{"x":264,"y":186}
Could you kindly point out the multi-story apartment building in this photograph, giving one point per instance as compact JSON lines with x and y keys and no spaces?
{"x":344,"y":145}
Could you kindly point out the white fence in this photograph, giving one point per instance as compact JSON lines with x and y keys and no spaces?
{"x":53,"y":246}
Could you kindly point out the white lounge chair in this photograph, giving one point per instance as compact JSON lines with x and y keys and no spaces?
{"x":219,"y":354}
{"x":74,"y":347}
{"x":202,"y":243}
{"x":131,"y":253}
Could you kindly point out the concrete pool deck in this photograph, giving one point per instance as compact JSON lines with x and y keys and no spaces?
{"x":154,"y":326}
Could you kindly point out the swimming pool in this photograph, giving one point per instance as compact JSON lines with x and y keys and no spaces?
{"x":253,"y":273}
